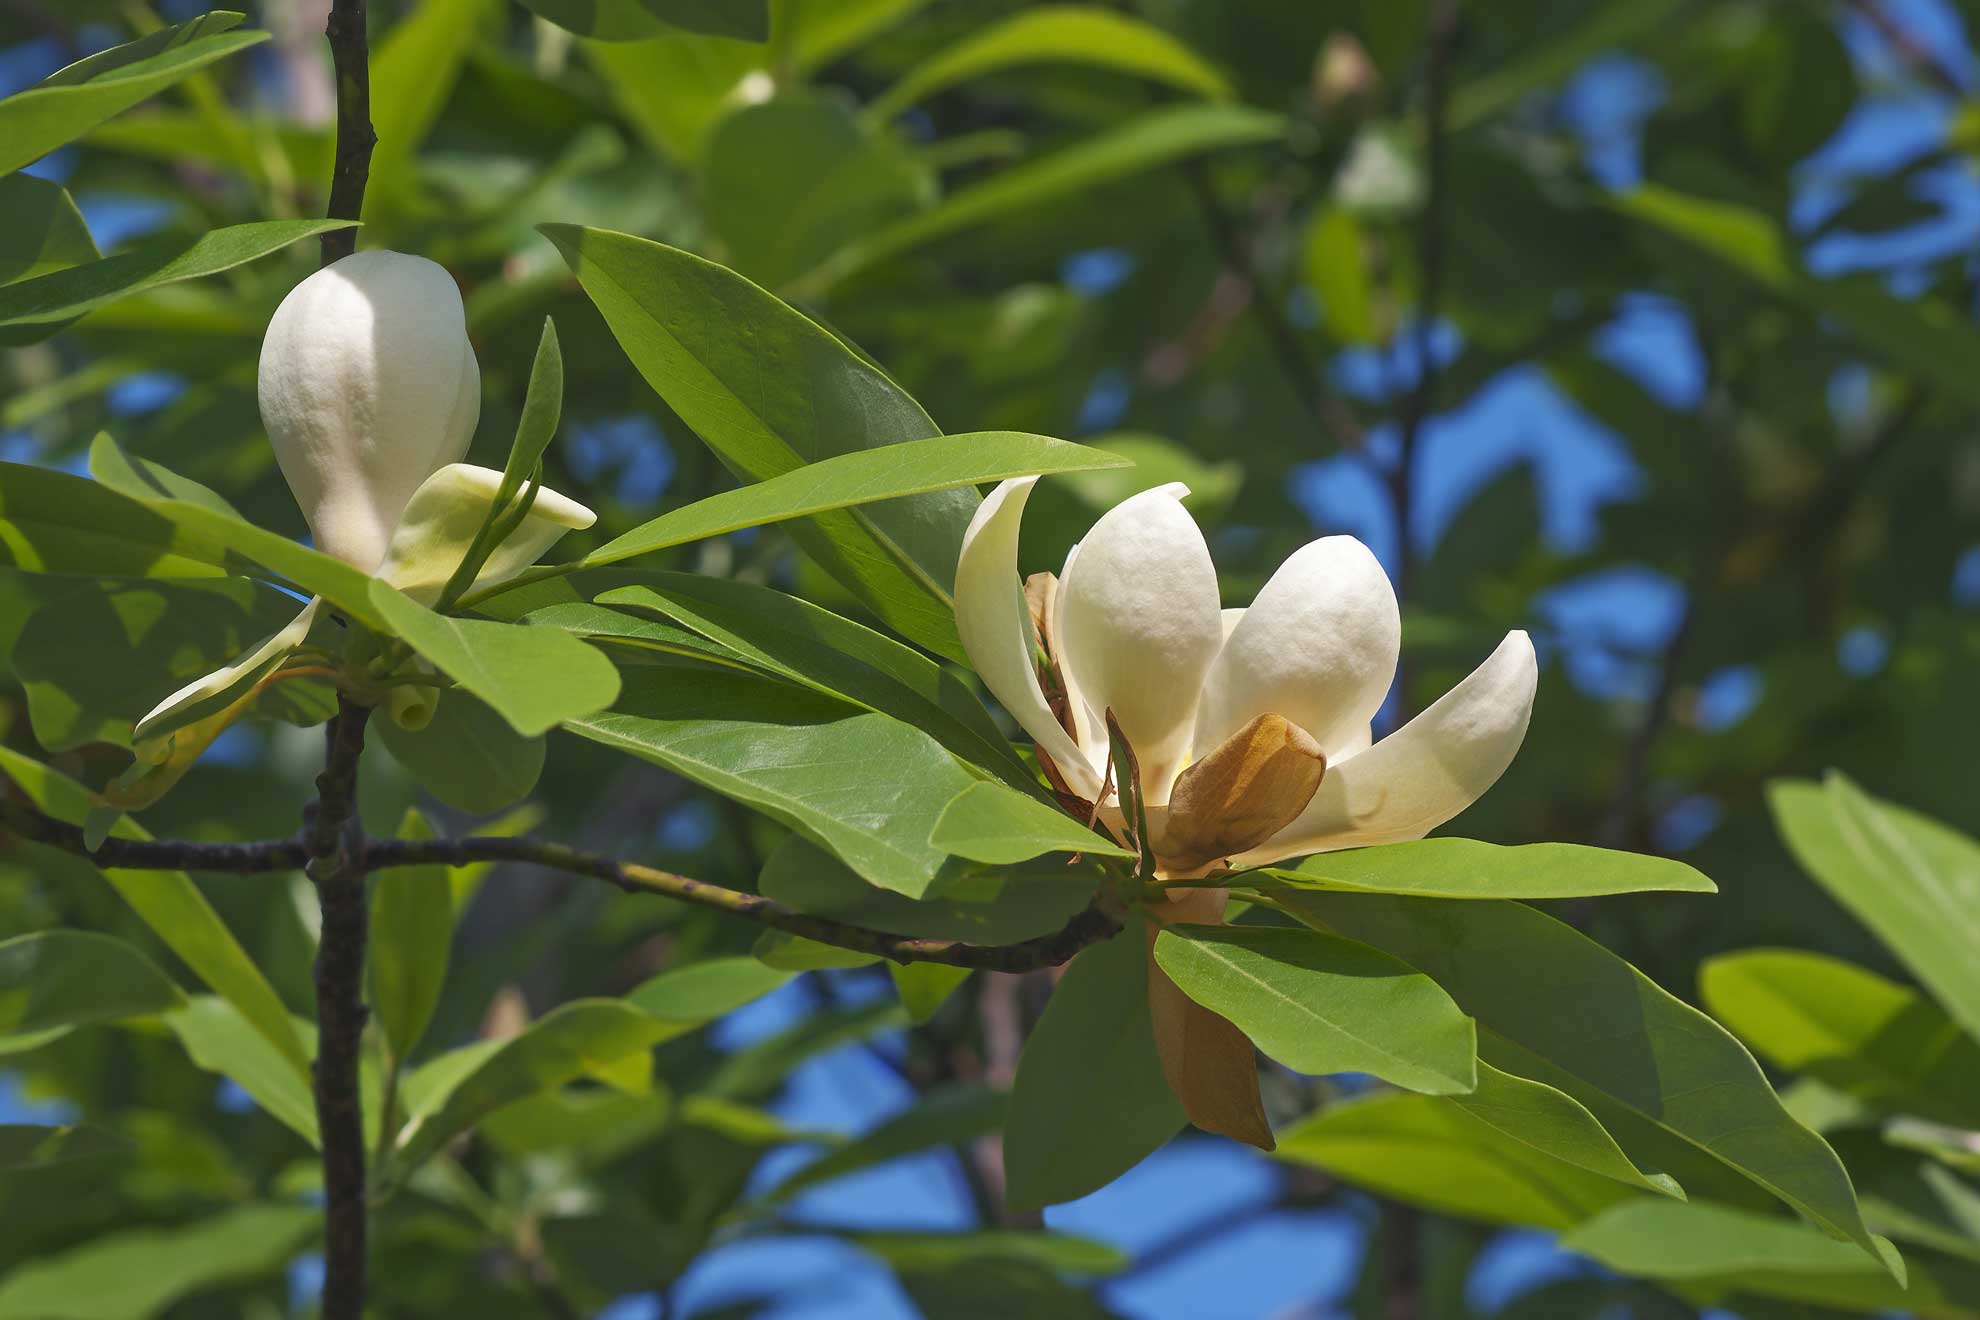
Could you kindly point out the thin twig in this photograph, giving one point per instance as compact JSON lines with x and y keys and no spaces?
{"x":350,"y":53}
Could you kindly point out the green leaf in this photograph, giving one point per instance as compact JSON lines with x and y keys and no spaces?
{"x":687,"y":997}
{"x":34,"y":1146}
{"x":535,"y":678}
{"x":701,"y":335}
{"x":1334,"y":260}
{"x":999,"y":907}
{"x":1071,"y":34}
{"x":137,"y":1273}
{"x":636,"y":20}
{"x":40,"y":229}
{"x":794,"y":953}
{"x":412,"y":933}
{"x":1667,"y":1240}
{"x":792,"y":754}
{"x":754,"y":1072}
{"x":635,"y":632}
{"x":998,"y":1286}
{"x":807,"y":644}
{"x":54,"y":980}
{"x":1059,"y":1252}
{"x":543,"y":408}
{"x":1090,"y":1101}
{"x":73,"y":100}
{"x":947,"y":1116}
{"x":144,"y":480}
{"x":849,"y":481}
{"x":674,"y":88}
{"x":1427,"y":1151}
{"x":569,"y":1042}
{"x":925,"y":987}
{"x":175,"y":910}
{"x":1321,"y":1004}
{"x":467,"y":756}
{"x":48,"y":302}
{"x":990,"y":823}
{"x":51,"y":522}
{"x":1603,"y":1032}
{"x":1555,"y":1123}
{"x":218,"y":1038}
{"x":1911,"y":880}
{"x":1466,"y":868}
{"x":787,"y":183}
{"x":413,"y":70}
{"x":1157,"y":138}
{"x":1850,"y":1028}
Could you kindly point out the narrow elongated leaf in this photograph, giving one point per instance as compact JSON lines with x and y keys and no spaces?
{"x":73,"y":100}
{"x":412,"y":934}
{"x":813,"y":646}
{"x":701,"y":335}
{"x":569,"y":1042}
{"x":1060,"y":1252}
{"x":1555,"y":1123}
{"x":1160,"y":137}
{"x":219,"y":1039}
{"x":535,"y":678}
{"x":40,"y":229}
{"x":53,"y":300}
{"x":1090,"y":1101}
{"x":176,"y":911}
{"x":1607,"y":1030}
{"x":1910,"y":879}
{"x":1070,"y":34}
{"x":1466,"y":868}
{"x":57,"y":979}
{"x":864,"y":786}
{"x":1864,"y":1035}
{"x":136,"y":1274}
{"x":945,"y":1117}
{"x":1321,"y":1004}
{"x":543,"y":408}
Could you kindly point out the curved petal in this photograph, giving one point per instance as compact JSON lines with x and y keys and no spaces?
{"x":442,"y":518}
{"x":1141,"y":625}
{"x":1425,"y":772}
{"x":994,"y":621}
{"x":1318,"y":646}
{"x":1092,"y":738}
{"x":218,"y":689}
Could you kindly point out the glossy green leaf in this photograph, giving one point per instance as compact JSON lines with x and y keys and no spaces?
{"x":795,"y":953}
{"x":703,"y":991}
{"x":990,"y":823}
{"x":633,"y":631}
{"x":40,"y":229}
{"x":51,"y":522}
{"x":1157,"y":138}
{"x":141,"y":479}
{"x":807,"y":644}
{"x":791,"y":754}
{"x":412,"y":934}
{"x":951,"y":1116}
{"x":1427,"y":1151}
{"x":1090,"y":1101}
{"x":1321,"y":1004}
{"x":72,"y":100}
{"x":137,"y":1273}
{"x":57,"y":979}
{"x":535,"y":678}
{"x":787,"y":183}
{"x":1555,"y":1123}
{"x":1910,"y":879}
{"x":217,"y":1037}
{"x":467,"y":756}
{"x":1602,"y":1029}
{"x":1466,"y":868}
{"x":1666,"y":1240}
{"x":592,"y":1125}
{"x":175,"y":910}
{"x":1864,"y":1035}
{"x":1048,"y":34}
{"x":565,"y":1044}
{"x":925,"y":987}
{"x":53,"y":300}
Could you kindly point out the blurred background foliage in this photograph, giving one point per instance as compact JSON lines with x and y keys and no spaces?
{"x":1661,"y":347}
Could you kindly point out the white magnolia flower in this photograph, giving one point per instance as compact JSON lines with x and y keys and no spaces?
{"x":370,"y":391}
{"x":1250,"y":727}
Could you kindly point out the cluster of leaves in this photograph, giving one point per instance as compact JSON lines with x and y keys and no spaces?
{"x":913,"y":180}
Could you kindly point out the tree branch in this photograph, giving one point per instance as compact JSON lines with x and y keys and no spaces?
{"x":350,"y":53}
{"x":337,"y":868}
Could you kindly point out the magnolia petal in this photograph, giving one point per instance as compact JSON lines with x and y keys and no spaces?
{"x":1318,"y":646}
{"x":217,"y":690}
{"x":444,"y":515}
{"x":1424,"y":773}
{"x":1245,"y":791}
{"x":1208,"y":1062}
{"x":1230,"y":620}
{"x":1141,"y":625}
{"x":1091,"y":737}
{"x":993,"y":619}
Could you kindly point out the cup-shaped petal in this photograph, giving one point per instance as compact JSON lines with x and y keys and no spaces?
{"x":442,"y":518}
{"x":1139,"y":624}
{"x":993,"y":619}
{"x":368,"y":384}
{"x":1318,"y":646}
{"x":1425,"y":772}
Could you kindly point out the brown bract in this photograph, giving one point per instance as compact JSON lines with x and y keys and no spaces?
{"x":1253,"y":785}
{"x":1209,"y":1063}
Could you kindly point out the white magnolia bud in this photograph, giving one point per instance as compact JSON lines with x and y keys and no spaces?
{"x":368,"y":386}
